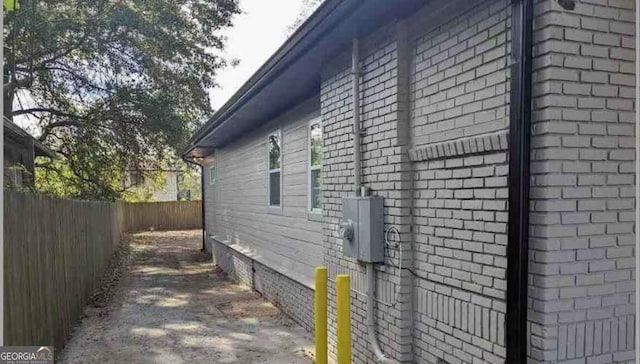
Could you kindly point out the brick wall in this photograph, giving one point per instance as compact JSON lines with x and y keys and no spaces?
{"x":292,"y":297}
{"x":581,"y":247}
{"x":460,"y":97}
{"x":429,"y":89}
{"x":435,"y":101}
{"x":384,"y":104}
{"x":460,"y":85}
{"x":460,"y":258}
{"x":238,"y":266}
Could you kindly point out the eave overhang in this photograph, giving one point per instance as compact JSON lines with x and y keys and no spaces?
{"x":13,"y":131}
{"x":292,"y":74}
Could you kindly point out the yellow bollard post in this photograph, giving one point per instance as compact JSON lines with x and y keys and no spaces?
{"x":320,"y":309}
{"x":343,"y":313}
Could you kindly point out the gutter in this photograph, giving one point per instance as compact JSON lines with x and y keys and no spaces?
{"x":275,"y":64}
{"x":519,"y":163}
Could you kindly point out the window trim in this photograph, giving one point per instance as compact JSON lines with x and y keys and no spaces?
{"x":274,"y":208}
{"x":312,"y":211}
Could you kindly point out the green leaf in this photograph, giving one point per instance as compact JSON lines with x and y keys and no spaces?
{"x":113,"y":84}
{"x":11,"y":5}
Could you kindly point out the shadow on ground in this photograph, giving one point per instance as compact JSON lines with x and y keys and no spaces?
{"x":173,"y":307}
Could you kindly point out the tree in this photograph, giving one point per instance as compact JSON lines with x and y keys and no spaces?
{"x":306,"y":9}
{"x":190,"y":181}
{"x":112,"y":85}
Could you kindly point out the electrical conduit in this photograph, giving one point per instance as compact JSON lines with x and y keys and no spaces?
{"x":355,"y":87}
{"x":371,"y":315}
{"x":371,"y":274}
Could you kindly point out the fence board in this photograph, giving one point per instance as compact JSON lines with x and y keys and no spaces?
{"x":56,"y":252}
{"x":172,"y":215}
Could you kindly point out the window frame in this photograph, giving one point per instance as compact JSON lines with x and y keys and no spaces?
{"x":310,"y":168}
{"x":274,"y":208}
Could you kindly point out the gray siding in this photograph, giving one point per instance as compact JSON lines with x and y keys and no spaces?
{"x":237,"y":211}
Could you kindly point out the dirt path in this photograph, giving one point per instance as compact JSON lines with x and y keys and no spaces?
{"x":172,"y":307}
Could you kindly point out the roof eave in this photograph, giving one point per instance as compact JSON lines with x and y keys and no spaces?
{"x":38,"y":148}
{"x":294,"y":71}
{"x":264,"y":72}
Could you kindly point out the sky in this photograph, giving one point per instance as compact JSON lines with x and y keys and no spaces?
{"x":256,"y":35}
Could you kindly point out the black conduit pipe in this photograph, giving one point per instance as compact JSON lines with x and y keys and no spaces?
{"x":204,"y":234}
{"x":519,"y":159}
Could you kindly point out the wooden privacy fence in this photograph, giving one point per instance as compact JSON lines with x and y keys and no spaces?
{"x":172,"y":215}
{"x":55,"y":252}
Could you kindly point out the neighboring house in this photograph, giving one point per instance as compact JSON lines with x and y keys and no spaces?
{"x":20,"y":151}
{"x":509,"y":176}
{"x":164,"y":189}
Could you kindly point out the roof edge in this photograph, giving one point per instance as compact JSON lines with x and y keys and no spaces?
{"x":38,"y":148}
{"x":265,"y":72}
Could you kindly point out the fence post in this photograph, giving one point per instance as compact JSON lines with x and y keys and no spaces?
{"x":343,"y":308}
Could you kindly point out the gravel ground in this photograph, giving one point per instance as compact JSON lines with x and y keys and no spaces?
{"x":173,"y":306}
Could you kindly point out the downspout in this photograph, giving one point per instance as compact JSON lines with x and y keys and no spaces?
{"x":204,"y":233}
{"x":637,"y":328}
{"x":202,"y":192}
{"x":519,"y":177}
{"x":519,"y":160}
{"x":359,"y":191}
{"x":178,"y":185}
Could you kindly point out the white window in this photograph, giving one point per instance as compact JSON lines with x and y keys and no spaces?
{"x":315,"y":166}
{"x":275,"y":161}
{"x":212,"y":173}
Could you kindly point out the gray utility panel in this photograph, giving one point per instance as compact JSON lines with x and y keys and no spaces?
{"x":362,"y":228}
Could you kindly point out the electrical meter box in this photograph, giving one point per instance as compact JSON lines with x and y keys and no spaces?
{"x":362,"y":228}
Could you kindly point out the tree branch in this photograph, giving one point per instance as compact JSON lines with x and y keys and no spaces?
{"x":37,"y":110}
{"x":74,"y":74}
{"x":65,"y":53}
